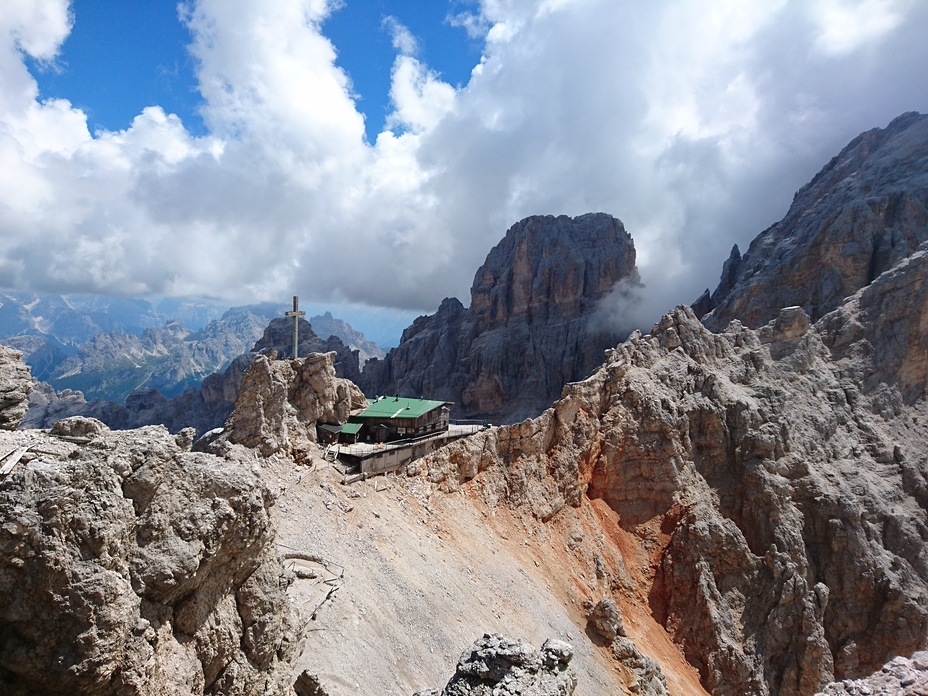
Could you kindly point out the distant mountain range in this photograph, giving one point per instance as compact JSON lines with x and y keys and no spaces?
{"x":108,"y":348}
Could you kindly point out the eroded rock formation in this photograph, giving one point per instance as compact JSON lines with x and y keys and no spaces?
{"x":778,"y":474}
{"x":130,"y":565}
{"x":282,"y":400}
{"x":898,"y":677}
{"x":498,"y":666}
{"x":531,"y":327}
{"x":863,"y":213}
{"x":15,"y":386}
{"x":278,"y":336}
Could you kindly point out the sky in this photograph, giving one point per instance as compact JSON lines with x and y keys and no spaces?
{"x":369,"y":153}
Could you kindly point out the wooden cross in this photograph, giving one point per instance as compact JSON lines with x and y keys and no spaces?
{"x":296,"y":314}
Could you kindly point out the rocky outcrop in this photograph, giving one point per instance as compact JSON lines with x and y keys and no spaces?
{"x":777,"y":475}
{"x":531,"y":327}
{"x":130,"y":565}
{"x":282,"y":400}
{"x":605,"y":622}
{"x":278,"y":337}
{"x":15,"y":386}
{"x":899,"y":677}
{"x":863,"y":213}
{"x":498,"y":666}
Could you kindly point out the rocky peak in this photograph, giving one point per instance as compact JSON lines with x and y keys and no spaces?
{"x":530,"y":327}
{"x":278,"y":336}
{"x":327,"y":325}
{"x":548,"y":268}
{"x":863,"y":213}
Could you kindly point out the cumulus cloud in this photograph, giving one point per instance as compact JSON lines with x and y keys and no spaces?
{"x":692,"y":122}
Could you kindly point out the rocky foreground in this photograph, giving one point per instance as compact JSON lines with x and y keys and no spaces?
{"x":131,"y":565}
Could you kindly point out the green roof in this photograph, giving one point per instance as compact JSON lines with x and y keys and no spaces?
{"x":398,"y":407}
{"x":351,"y":428}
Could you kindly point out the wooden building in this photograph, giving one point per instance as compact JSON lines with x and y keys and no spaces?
{"x":396,"y":418}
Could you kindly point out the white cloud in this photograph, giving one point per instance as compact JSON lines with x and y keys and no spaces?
{"x":692,"y":122}
{"x":403,"y":40}
{"x":419,"y":96}
{"x":846,"y":25}
{"x":36,"y":27}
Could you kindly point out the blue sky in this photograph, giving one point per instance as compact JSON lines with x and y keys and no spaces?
{"x":123,"y":56}
{"x":369,"y":154}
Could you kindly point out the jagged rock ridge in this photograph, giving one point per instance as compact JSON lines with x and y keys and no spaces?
{"x":530,"y":327}
{"x":778,"y":476}
{"x":170,"y":359}
{"x":327,"y":325}
{"x":863,"y":213}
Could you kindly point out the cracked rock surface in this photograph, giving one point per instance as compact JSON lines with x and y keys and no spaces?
{"x":15,"y":386}
{"x":130,"y":565}
{"x":498,"y":666}
{"x":778,"y":476}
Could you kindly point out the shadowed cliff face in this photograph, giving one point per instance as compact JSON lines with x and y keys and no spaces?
{"x":777,"y":475}
{"x":860,"y":216}
{"x":530,"y":327}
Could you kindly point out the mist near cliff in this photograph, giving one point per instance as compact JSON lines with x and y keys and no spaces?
{"x":694,"y":125}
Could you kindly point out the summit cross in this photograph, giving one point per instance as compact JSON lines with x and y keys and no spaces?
{"x":296,"y":314}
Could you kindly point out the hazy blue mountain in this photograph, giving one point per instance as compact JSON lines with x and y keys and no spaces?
{"x":326,"y":325}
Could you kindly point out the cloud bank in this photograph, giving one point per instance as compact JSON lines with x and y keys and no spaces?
{"x":692,"y":122}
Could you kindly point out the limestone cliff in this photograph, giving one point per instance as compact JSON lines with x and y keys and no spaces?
{"x":530,"y":327}
{"x":15,"y":386}
{"x":777,"y":476}
{"x":130,"y":565}
{"x":863,"y":213}
{"x":282,"y":400}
